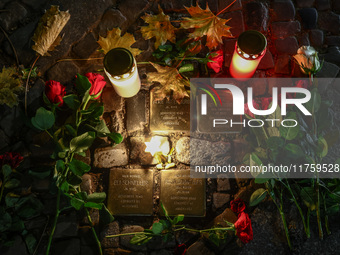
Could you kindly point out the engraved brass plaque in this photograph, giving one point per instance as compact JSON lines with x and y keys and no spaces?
{"x":131,"y":192}
{"x":181,"y":194}
{"x":225,"y":113}
{"x":168,"y":115}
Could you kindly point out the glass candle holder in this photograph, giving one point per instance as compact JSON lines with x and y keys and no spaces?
{"x":249,"y":50}
{"x":121,"y":68}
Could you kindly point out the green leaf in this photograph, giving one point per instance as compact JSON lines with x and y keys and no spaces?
{"x":178,"y":218}
{"x":11,"y":199}
{"x":140,"y":239}
{"x":43,"y":119}
{"x":275,"y":142}
{"x":12,"y":183}
{"x":82,"y":142}
{"x":294,"y":151}
{"x":157,"y":228}
{"x":275,"y":116}
{"x":96,"y":197}
{"x":77,"y":203}
{"x":257,"y":196}
{"x":78,"y":167}
{"x":105,"y":216}
{"x":308,"y":196}
{"x":31,"y":243}
{"x":39,"y":175}
{"x":71,"y":130}
{"x":74,"y":180}
{"x":313,"y":105}
{"x":72,"y":101}
{"x":115,"y":137}
{"x":60,"y":166}
{"x":322,"y":149}
{"x":5,"y":221}
{"x":64,"y":187}
{"x":290,"y":133}
{"x":186,"y":68}
{"x":6,"y":171}
{"x":98,"y":206}
{"x":28,"y":207}
{"x":82,"y":84}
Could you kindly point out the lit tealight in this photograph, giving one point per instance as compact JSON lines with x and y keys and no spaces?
{"x":158,"y":144}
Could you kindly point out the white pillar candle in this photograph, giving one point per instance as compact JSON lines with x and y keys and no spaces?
{"x":121,"y":68}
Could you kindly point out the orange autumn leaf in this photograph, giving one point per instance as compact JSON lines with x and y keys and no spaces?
{"x":159,"y":27}
{"x":115,"y":40}
{"x":204,"y":22}
{"x":169,"y":79}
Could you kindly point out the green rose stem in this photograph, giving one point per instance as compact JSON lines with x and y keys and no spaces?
{"x":177,"y":229}
{"x":67,"y":160}
{"x":299,"y":208}
{"x":94,"y":231}
{"x":283,"y":217}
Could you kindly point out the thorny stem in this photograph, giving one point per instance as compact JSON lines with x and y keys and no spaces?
{"x":28,"y":78}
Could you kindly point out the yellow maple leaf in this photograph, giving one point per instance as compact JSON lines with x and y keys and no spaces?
{"x":46,"y":35}
{"x":114,"y":40}
{"x":159,"y":27}
{"x":170,"y":80}
{"x":206,"y":23}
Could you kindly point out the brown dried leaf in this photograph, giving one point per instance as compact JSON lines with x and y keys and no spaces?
{"x":206,"y":23}
{"x":159,"y":27}
{"x":46,"y":35}
{"x":170,"y":80}
{"x":114,"y":40}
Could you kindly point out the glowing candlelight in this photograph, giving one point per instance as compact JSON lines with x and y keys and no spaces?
{"x":121,"y":68}
{"x":249,"y":50}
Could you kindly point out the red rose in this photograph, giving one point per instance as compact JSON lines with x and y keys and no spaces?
{"x":180,"y":249}
{"x":11,"y":158}
{"x":55,"y":92}
{"x":265,"y":102}
{"x":244,"y":231}
{"x":302,"y":84}
{"x":237,"y":205}
{"x":98,"y":83}
{"x":218,"y":61}
{"x":247,"y":111}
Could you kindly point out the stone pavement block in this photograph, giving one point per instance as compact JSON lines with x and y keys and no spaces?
{"x":332,"y":41}
{"x":220,"y":199}
{"x":63,"y":72}
{"x":112,"y":18}
{"x":330,"y":22}
{"x":303,"y":39}
{"x":323,"y":5}
{"x":267,"y":61}
{"x":15,"y":12}
{"x":86,"y":47}
{"x":282,"y":65}
{"x":309,"y":18}
{"x":284,"y":29}
{"x":283,"y":11}
{"x":236,"y":23}
{"x":288,"y":45}
{"x":305,"y":3}
{"x":135,"y":112}
{"x":111,"y":156}
{"x":316,"y":38}
{"x":183,"y":150}
{"x":256,"y":16}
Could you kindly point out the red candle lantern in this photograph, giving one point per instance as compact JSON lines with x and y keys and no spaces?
{"x":249,"y":50}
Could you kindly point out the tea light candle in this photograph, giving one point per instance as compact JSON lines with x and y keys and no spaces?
{"x":249,"y":50}
{"x":121,"y":68}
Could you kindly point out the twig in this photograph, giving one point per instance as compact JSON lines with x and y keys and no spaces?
{"x":10,"y":42}
{"x":28,"y":78}
{"x":76,"y":59}
{"x":36,"y":248}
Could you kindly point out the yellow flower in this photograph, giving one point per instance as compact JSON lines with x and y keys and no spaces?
{"x":308,"y":60}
